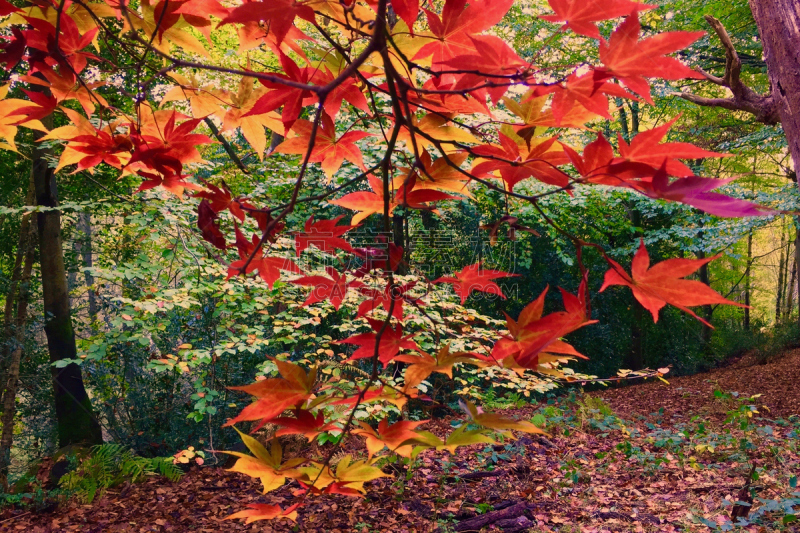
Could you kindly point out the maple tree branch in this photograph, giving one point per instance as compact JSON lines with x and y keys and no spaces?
{"x":323,"y":195}
{"x":226,"y":145}
{"x":764,"y":107}
{"x":59,"y":11}
{"x":376,"y":42}
{"x":295,"y":192}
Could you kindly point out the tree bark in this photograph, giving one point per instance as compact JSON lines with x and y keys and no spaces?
{"x":708,"y":310}
{"x":797,"y":262}
{"x":779,"y":26}
{"x":789,"y":298}
{"x":747,"y":279}
{"x":13,"y":349}
{"x":781,"y":276}
{"x":75,"y":420}
{"x":634,"y":359}
{"x":83,"y":247}
{"x":274,"y":140}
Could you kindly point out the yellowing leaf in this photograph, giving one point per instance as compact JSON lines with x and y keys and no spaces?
{"x":262,"y":511}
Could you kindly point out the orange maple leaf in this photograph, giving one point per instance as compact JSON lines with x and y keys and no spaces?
{"x":662,"y":284}
{"x":392,"y":436}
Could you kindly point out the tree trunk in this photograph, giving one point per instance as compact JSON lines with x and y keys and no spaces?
{"x":274,"y":140}
{"x":779,"y":26}
{"x":398,"y":237}
{"x":797,"y":262}
{"x":747,"y":279}
{"x":13,"y":349}
{"x":781,"y":276}
{"x":84,"y":248}
{"x":789,"y":298}
{"x":634,"y":359}
{"x":708,"y":310}
{"x":75,"y":420}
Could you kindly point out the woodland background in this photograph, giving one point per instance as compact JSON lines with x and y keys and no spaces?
{"x":162,"y":334}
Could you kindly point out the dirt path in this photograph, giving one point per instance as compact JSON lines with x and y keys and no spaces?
{"x":778,"y":383}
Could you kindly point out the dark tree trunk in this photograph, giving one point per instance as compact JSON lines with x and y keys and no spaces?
{"x":76,"y":422}
{"x":779,"y":26}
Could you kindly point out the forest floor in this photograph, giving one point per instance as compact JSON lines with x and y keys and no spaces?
{"x":648,"y":458}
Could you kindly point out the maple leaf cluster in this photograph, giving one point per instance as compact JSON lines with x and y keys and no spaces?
{"x":344,"y":75}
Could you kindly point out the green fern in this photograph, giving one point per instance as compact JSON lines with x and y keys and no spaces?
{"x":109,"y":465}
{"x":347,"y":369}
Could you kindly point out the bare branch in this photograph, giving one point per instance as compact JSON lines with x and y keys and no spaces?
{"x":763,"y":107}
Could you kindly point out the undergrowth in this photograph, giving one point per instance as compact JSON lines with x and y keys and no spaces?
{"x":110,"y":465}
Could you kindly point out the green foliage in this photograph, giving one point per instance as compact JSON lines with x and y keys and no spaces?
{"x":109,"y":465}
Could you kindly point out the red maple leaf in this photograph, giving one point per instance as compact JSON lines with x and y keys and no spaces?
{"x":291,"y":98}
{"x":531,"y":334}
{"x":220,"y":199}
{"x":333,"y":288}
{"x":170,"y":181}
{"x":473,"y":278}
{"x":329,"y":151}
{"x":598,"y":165}
{"x":407,"y":10}
{"x":208,"y":223}
{"x":304,"y":423}
{"x":71,"y":41}
{"x":493,"y":58}
{"x":377,"y":257}
{"x":376,"y":299}
{"x":584,"y":90}
{"x":102,"y":147}
{"x":540,"y":162}
{"x":645,"y":148}
{"x":662,"y":284}
{"x":279,"y":15}
{"x":269,"y":268}
{"x":394,"y":436}
{"x":44,"y":104}
{"x":410,"y":196}
{"x":631,"y":61}
{"x":13,"y":49}
{"x":695,"y":191}
{"x":195,"y":12}
{"x":347,"y":90}
{"x":368,"y":203}
{"x":580,"y":15}
{"x":166,"y":153}
{"x":392,"y":341}
{"x":324,"y":234}
{"x":6,"y":8}
{"x":458,"y":21}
